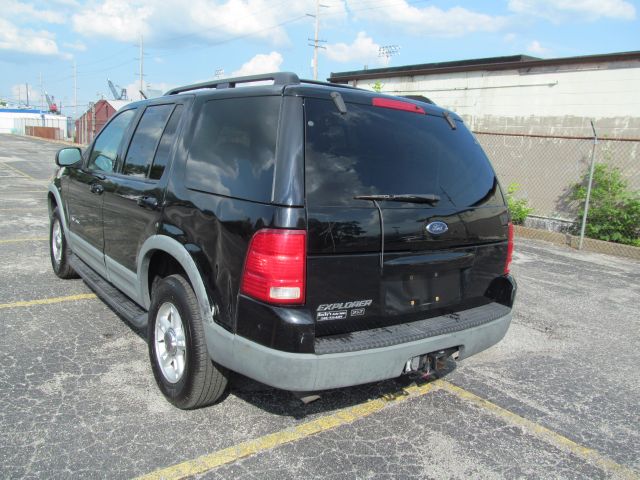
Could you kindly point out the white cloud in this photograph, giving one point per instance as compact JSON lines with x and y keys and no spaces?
{"x":261,"y":63}
{"x":118,"y":19}
{"x":431,"y":20}
{"x":78,"y":46}
{"x":14,"y":39}
{"x":510,"y":37}
{"x":28,"y":12}
{"x":174,"y":23}
{"x":557,"y":10}
{"x":66,"y":3}
{"x":536,"y":48}
{"x":362,"y":50}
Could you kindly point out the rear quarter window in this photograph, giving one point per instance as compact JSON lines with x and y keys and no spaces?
{"x":233,"y":148}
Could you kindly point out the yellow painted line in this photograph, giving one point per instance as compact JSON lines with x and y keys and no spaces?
{"x":19,"y":192}
{"x":48,"y":301}
{"x":26,"y":175}
{"x":41,"y":209}
{"x":349,"y":415}
{"x":28,"y":239}
{"x":549,"y":436}
{"x":341,"y":417}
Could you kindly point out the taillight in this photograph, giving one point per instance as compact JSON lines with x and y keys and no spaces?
{"x":398,"y":105}
{"x":507,"y":264}
{"x":275,"y":266}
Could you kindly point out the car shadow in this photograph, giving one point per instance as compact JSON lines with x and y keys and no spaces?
{"x":289,"y":404}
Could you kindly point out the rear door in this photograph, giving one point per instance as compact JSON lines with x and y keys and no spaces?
{"x":132,"y":203}
{"x":374,"y":263}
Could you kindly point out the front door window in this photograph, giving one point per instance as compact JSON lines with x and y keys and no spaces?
{"x":105,"y":150}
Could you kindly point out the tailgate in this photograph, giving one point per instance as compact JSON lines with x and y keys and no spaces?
{"x":377,"y":263}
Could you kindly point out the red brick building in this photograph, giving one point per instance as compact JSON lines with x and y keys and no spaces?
{"x":92,"y":121}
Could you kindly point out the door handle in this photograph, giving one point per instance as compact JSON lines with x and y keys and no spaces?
{"x":96,"y":188}
{"x":150,"y":203}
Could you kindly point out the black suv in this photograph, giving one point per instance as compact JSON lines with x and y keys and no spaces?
{"x":307,"y":235}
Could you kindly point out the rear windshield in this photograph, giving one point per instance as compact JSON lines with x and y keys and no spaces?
{"x":376,"y":151}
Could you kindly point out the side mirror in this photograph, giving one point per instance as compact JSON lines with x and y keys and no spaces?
{"x":68,"y":156}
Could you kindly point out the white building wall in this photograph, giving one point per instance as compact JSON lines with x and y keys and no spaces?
{"x":562,"y":99}
{"x":15,"y":122}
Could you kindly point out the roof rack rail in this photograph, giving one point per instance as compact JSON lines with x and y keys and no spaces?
{"x":420,"y":98}
{"x":328,"y":84}
{"x":279,"y":78}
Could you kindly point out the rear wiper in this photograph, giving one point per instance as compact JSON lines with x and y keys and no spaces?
{"x":405,"y":197}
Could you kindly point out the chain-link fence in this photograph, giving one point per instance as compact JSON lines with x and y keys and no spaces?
{"x":548,"y":179}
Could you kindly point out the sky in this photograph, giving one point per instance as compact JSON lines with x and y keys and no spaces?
{"x":188,"y":41}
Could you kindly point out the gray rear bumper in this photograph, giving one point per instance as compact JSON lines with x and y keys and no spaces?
{"x":308,"y":372}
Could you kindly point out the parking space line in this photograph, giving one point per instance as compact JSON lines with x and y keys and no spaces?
{"x":348,"y":415}
{"x":47,"y":301}
{"x":251,"y":447}
{"x":43,"y":210}
{"x":541,"y":432}
{"x":20,"y":192}
{"x":28,"y":239}
{"x":26,"y":175}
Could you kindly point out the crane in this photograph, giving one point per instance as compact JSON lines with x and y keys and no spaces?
{"x":117,"y":96}
{"x":53,"y":108}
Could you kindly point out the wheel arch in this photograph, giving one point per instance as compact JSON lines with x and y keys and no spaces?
{"x":164,"y":245}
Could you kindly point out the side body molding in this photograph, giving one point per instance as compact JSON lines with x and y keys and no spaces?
{"x":219,"y":341}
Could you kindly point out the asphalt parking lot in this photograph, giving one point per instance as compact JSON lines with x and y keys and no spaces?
{"x":559,"y":397}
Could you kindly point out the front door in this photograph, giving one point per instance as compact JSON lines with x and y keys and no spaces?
{"x":85,"y":191}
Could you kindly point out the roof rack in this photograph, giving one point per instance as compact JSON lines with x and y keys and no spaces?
{"x":279,"y":78}
{"x":328,"y":84}
{"x":420,"y":98}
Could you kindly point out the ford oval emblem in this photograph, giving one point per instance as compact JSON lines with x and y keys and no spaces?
{"x":437,"y":228}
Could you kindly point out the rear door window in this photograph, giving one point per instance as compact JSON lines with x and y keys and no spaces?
{"x":233,"y":148}
{"x":145,"y":140}
{"x":166,"y":142}
{"x":372,"y":150}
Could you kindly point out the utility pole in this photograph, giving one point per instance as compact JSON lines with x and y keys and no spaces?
{"x":75,"y":90}
{"x":388,"y":51}
{"x":316,"y":41}
{"x":26,"y":85}
{"x":41,"y":94}
{"x":141,"y":65}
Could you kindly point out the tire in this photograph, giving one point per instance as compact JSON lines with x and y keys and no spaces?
{"x":59,"y":250}
{"x":181,"y":365}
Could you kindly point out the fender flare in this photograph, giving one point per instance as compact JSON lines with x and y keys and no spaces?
{"x":182,"y":256}
{"x":56,"y":193}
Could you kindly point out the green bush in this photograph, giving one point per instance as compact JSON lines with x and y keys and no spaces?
{"x":518,"y":208}
{"x":614,"y":209}
{"x":377,"y":87}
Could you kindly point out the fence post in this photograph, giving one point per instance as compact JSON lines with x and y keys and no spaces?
{"x":586,"y":202}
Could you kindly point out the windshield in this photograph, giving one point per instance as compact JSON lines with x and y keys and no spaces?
{"x":379,"y":151}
